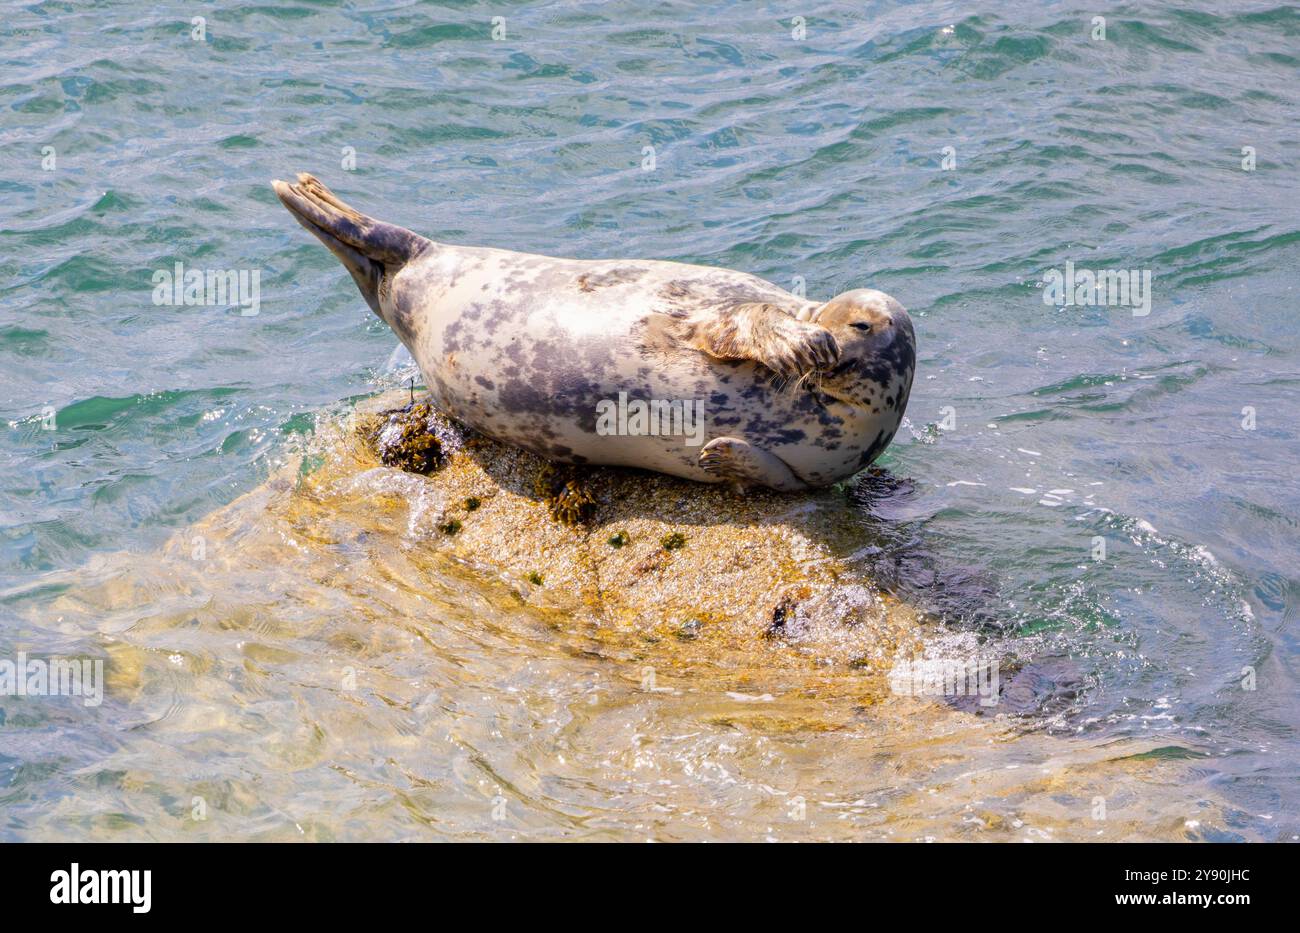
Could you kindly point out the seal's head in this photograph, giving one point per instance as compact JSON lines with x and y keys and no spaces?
{"x":877,"y":350}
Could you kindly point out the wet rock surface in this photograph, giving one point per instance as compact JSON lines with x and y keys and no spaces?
{"x":639,"y":551}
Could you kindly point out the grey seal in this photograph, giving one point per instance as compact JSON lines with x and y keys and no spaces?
{"x":699,"y":372}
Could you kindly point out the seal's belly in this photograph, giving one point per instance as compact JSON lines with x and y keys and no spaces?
{"x":614,"y":405}
{"x":581,"y":404}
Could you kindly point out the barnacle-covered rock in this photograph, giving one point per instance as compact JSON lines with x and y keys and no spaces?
{"x":405,"y":438}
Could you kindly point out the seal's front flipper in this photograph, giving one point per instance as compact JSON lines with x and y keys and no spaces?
{"x":764,"y":333}
{"x":732,"y":459}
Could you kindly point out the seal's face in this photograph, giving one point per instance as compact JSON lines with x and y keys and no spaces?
{"x":877,"y":350}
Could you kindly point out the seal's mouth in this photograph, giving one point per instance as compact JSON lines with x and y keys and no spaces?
{"x":827,"y":388}
{"x":827,"y":396}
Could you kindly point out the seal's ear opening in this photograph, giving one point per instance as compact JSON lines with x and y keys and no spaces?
{"x":368,"y":248}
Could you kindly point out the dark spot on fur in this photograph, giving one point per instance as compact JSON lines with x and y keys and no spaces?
{"x":675,"y":291}
{"x":619,"y":275}
{"x":520,"y":396}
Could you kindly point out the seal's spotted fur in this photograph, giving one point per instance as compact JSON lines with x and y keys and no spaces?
{"x":523,"y":347}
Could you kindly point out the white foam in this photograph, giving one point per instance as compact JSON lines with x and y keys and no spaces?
{"x":750,"y":697}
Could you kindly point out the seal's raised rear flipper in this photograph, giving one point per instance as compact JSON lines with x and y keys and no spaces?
{"x":320,"y":211}
{"x":370,"y":249}
{"x":743,"y":464}
{"x":761,"y":332}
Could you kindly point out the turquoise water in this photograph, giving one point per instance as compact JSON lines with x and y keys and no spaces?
{"x":1033,"y":429}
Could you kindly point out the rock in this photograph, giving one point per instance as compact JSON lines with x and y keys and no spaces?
{"x":642,"y":552}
